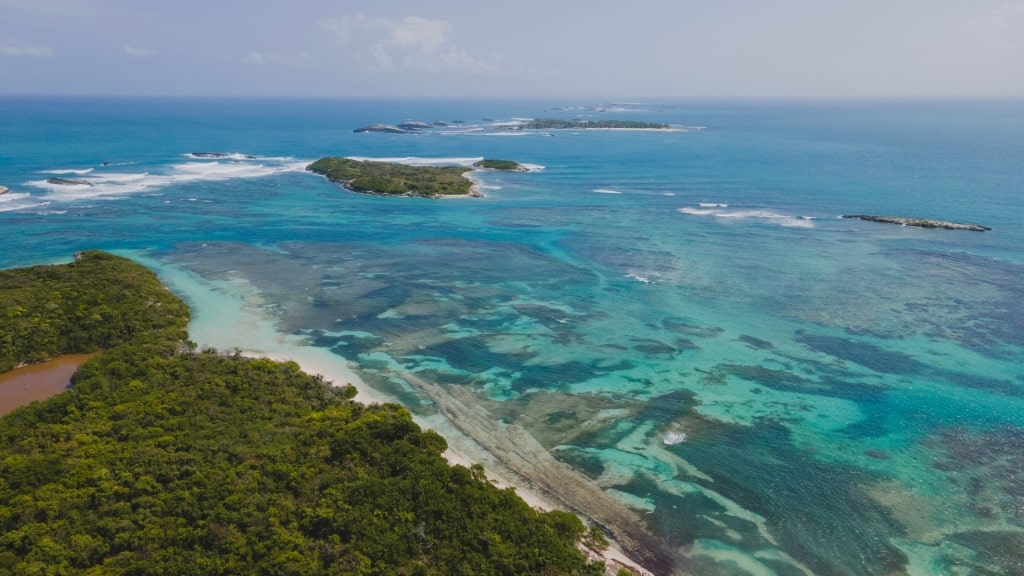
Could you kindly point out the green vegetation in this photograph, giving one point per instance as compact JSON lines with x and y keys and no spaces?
{"x":166,"y":460}
{"x":96,"y":302}
{"x":556,"y":124}
{"x":493,"y":164}
{"x":394,"y":179}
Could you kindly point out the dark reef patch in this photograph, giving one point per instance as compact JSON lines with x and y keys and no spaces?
{"x":687,"y":327}
{"x":863,"y":353}
{"x":756,"y":343}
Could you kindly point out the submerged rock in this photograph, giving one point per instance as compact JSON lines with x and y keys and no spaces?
{"x":69,"y":181}
{"x":918,"y":222}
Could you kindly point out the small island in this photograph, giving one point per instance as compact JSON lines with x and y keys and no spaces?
{"x":557,"y":124}
{"x":392,"y":179}
{"x":918,"y":222}
{"x":506,"y":165}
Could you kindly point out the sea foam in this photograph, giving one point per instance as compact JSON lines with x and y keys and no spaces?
{"x":110,"y":185}
{"x":68,"y":171}
{"x":722,"y":211}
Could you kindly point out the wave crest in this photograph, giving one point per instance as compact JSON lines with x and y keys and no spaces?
{"x":722,"y":211}
{"x":111,"y":185}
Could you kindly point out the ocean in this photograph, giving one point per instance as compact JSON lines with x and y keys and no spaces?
{"x":671,"y":332}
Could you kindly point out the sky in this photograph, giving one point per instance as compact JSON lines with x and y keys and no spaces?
{"x":514,"y":49}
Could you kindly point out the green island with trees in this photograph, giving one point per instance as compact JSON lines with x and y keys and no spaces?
{"x":389,"y":178}
{"x":495,"y":164}
{"x":557,"y":124}
{"x":165,"y":459}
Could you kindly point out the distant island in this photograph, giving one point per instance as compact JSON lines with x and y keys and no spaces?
{"x":221,"y":155}
{"x":386,"y":128}
{"x":557,"y":124}
{"x":392,"y":179}
{"x":918,"y":222}
{"x":414,"y":127}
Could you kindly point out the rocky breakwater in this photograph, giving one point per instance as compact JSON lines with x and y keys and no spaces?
{"x":918,"y":222}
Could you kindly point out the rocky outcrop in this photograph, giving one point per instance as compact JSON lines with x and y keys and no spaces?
{"x":69,"y":181}
{"x":386,"y":128}
{"x":413,"y":126}
{"x":221,"y":155}
{"x":4,"y":190}
{"x":918,"y":222}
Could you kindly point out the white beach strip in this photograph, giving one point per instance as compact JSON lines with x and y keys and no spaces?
{"x":228,"y":316}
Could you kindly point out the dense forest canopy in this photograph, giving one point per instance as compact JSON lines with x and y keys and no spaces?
{"x":496,"y":164}
{"x":96,"y":302}
{"x":394,"y":179}
{"x":162,"y":459}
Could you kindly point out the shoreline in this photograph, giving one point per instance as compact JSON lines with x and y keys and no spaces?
{"x":227,"y":316}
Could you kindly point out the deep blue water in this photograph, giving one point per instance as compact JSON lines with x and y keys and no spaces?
{"x":852,"y":394}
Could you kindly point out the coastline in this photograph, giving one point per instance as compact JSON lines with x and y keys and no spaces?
{"x":228,"y":316}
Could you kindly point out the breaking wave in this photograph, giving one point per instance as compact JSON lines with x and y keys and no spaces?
{"x":89,"y":183}
{"x":68,"y":171}
{"x":723,"y":212}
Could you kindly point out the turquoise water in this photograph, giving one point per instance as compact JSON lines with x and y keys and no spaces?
{"x":851,"y":394}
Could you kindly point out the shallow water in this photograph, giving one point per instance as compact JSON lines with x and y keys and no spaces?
{"x":27,"y":384}
{"x":851,"y":392}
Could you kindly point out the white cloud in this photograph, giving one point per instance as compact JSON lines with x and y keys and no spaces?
{"x":413,"y":43}
{"x":343,"y":28}
{"x":340,"y":27}
{"x":458,"y":59}
{"x":1001,"y":26}
{"x":425,"y":35}
{"x":381,"y":59}
{"x":254,"y":58}
{"x":133,"y":51}
{"x":258,"y":58}
{"x":36,"y":51}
